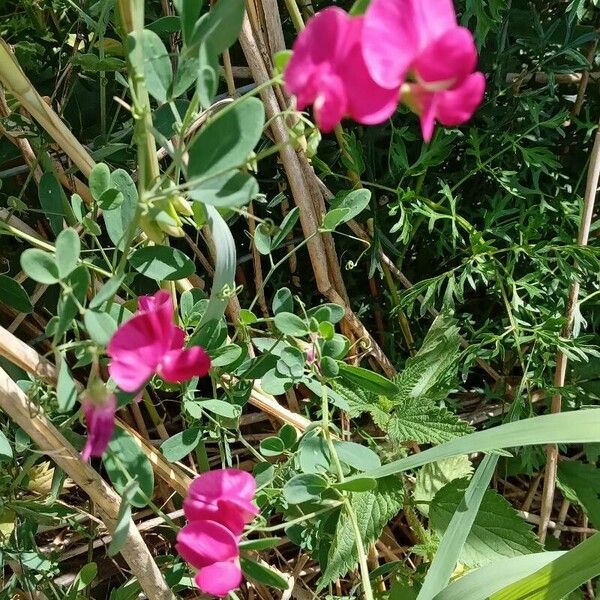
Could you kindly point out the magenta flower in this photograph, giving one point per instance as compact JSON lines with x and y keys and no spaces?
{"x":150,"y":343}
{"x":327,"y":70}
{"x":218,"y":506}
{"x":224,"y":496}
{"x":212,"y":549}
{"x":420,"y":40}
{"x":100,"y":422}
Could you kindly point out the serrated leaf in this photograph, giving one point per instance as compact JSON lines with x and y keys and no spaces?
{"x":580,"y":483}
{"x":498,"y":531}
{"x":431,"y":478}
{"x":424,"y":423}
{"x":373,"y":510}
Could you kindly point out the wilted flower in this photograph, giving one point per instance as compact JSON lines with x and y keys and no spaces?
{"x":327,"y":70}
{"x":150,"y":343}
{"x":99,"y":414}
{"x":417,"y":44}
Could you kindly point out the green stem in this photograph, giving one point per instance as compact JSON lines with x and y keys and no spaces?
{"x":362,"y":555}
{"x":295,"y":14}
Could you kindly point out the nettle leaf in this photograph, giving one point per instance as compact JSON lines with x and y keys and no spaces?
{"x":498,"y":530}
{"x":432,"y":477}
{"x":580,"y":483}
{"x":373,"y":510}
{"x":424,"y":423}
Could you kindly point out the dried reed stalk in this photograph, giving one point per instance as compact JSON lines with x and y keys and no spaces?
{"x":47,"y":437}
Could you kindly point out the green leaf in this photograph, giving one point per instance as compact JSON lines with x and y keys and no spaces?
{"x":181,"y":444}
{"x":260,"y":544}
{"x":51,"y":197}
{"x":100,"y":326}
{"x":110,"y":199}
{"x":458,"y":531}
{"x":497,"y":531}
{"x":119,"y":219}
{"x":40,"y":266}
{"x":559,"y":577}
{"x":119,"y":535}
{"x":189,"y":11}
{"x":208,"y":74}
{"x":78,"y":282}
{"x":424,"y":423}
{"x":313,"y":454}
{"x":580,"y":483}
{"x":262,"y":573}
{"x":370,"y":381}
{"x":221,"y":25}
{"x":272,"y":446}
{"x":286,"y":227}
{"x":231,"y":189}
{"x":335,"y":217}
{"x":354,"y":202}
{"x":99,"y":180}
{"x":481,"y":583}
{"x":304,"y":488}
{"x":226,"y":355}
{"x":332,"y":313}
{"x":357,"y":456}
{"x":357,"y":485}
{"x":13,"y":294}
{"x":373,"y":510}
{"x":283,"y":301}
{"x":84,"y":578}
{"x":107,"y":291}
{"x":66,"y":390}
{"x":226,"y":142}
{"x":68,"y":247}
{"x":6,"y":452}
{"x":156,"y":66}
{"x":290,"y":324}
{"x":225,"y":265}
{"x":431,"y":478}
{"x":291,"y":363}
{"x":576,"y":427}
{"x":288,"y":435}
{"x":162,"y":263}
{"x":124,"y":461}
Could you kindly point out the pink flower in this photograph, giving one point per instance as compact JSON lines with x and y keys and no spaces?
{"x":421,"y":39}
{"x":218,"y":506}
{"x":224,"y":496}
{"x":100,"y":422}
{"x":327,"y":70}
{"x":150,"y":343}
{"x":212,"y":549}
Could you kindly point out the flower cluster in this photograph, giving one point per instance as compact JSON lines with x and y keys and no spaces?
{"x":400,"y":50}
{"x":218,"y":506}
{"x":148,"y":344}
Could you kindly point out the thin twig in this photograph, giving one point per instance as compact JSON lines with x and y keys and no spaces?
{"x":567,"y":330}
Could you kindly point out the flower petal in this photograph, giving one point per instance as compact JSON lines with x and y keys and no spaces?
{"x":142,"y":341}
{"x":396,"y":31}
{"x":100,"y":422}
{"x":457,"y":106}
{"x":202,"y":543}
{"x":223,"y":483}
{"x":129,"y":372}
{"x":451,"y":57}
{"x":368,"y":102}
{"x":220,"y":578}
{"x":184,"y":364}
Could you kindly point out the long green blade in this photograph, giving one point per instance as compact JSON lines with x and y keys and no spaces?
{"x":443,"y":564}
{"x":485,"y":581}
{"x":577,"y":427}
{"x":558,"y":578}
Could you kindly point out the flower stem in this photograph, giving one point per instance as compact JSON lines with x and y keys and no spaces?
{"x":362,"y":555}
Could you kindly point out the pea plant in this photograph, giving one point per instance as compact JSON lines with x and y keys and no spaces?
{"x":298,"y":301}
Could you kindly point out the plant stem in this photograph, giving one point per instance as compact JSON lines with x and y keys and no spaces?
{"x":362,"y":555}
